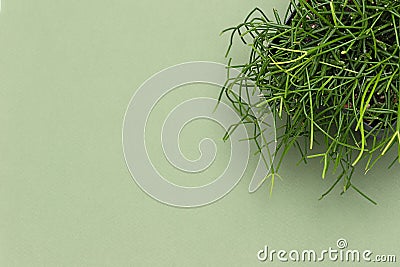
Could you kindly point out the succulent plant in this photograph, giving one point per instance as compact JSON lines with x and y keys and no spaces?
{"x":329,"y":71}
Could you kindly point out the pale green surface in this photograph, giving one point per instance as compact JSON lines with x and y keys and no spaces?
{"x":67,"y":72}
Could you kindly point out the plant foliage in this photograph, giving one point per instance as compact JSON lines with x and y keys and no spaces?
{"x":330,"y":73}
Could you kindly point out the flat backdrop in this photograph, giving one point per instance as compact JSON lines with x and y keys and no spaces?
{"x":67,"y":72}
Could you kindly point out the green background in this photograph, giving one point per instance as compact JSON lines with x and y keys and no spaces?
{"x":67,"y":72}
